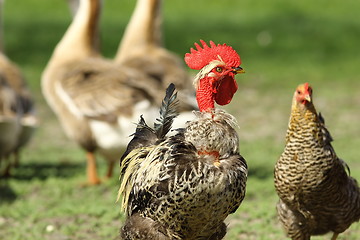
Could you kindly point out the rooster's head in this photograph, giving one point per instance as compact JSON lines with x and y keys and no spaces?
{"x":215,"y":82}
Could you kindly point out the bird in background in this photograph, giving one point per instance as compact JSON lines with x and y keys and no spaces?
{"x":96,"y":101}
{"x":316,"y":193}
{"x":183,"y":185}
{"x":18,"y":120}
{"x":73,"y":6}
{"x":142,"y":47}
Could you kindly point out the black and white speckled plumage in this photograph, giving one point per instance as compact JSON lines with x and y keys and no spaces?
{"x":316,"y":194}
{"x":171,"y":190}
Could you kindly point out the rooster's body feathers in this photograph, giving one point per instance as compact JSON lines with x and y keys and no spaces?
{"x":167,"y":180}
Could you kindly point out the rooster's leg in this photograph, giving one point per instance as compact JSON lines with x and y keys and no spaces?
{"x":91,"y":169}
{"x":334,"y":236}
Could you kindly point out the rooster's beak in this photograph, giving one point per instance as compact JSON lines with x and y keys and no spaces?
{"x":239,"y":70}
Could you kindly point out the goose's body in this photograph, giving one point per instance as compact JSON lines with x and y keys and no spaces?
{"x":24,"y":105}
{"x":96,"y":101}
{"x":9,"y":118}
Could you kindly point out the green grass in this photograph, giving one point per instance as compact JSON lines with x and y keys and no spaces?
{"x":281,"y":43}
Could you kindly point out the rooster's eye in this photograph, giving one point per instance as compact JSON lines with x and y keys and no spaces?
{"x":219,"y":69}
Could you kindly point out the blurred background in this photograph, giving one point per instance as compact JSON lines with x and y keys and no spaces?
{"x":282,"y":43}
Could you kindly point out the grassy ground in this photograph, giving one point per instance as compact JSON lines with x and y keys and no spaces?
{"x":282,"y":43}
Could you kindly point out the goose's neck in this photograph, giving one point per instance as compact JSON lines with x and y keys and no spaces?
{"x":143,"y":30}
{"x":81,"y":38}
{"x":1,"y":27}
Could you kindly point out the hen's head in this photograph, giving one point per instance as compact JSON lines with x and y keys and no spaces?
{"x":303,"y":94}
{"x":215,"y":82}
{"x":302,"y":100}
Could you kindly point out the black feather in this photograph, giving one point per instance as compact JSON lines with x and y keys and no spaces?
{"x":168,"y":111}
{"x":328,"y":139}
{"x":143,"y":136}
{"x":327,"y":136}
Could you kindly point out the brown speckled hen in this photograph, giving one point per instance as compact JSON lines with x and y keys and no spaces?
{"x":316,"y":194}
{"x":184,"y":185}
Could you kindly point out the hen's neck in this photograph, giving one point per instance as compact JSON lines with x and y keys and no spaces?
{"x":303,"y":122}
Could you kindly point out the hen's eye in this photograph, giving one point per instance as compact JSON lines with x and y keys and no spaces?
{"x":298,"y":92}
{"x":219,"y":69}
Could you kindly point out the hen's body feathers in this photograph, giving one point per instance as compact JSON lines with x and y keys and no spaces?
{"x":316,"y":194}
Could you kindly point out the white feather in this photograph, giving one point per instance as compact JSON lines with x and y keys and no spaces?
{"x":112,"y":138}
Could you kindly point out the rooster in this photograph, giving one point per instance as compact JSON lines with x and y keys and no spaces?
{"x":184,"y":185}
{"x":316,"y":194}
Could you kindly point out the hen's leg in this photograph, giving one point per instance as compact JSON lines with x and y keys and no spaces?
{"x":334,"y":237}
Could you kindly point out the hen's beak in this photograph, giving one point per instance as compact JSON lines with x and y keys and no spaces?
{"x":307,"y":97}
{"x":239,"y":70}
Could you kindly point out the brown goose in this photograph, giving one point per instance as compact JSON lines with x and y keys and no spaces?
{"x":17,"y":117}
{"x":21,"y":104}
{"x":95,"y":101}
{"x":142,"y":48}
{"x":9,"y":120}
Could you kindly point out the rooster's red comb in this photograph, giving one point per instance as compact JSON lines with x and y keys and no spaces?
{"x":201,"y":57}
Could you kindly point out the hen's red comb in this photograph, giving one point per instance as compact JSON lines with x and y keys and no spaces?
{"x":306,"y":86}
{"x":201,"y":57}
